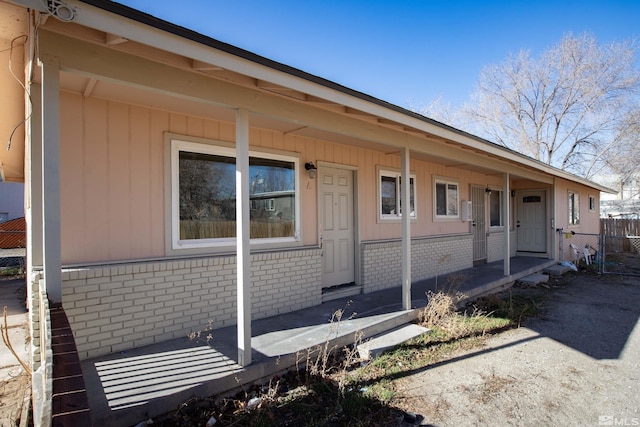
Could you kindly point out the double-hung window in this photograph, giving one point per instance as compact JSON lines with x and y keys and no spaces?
{"x":574,"y":208}
{"x":390,"y":191}
{"x":203,"y":196}
{"x":495,"y":208}
{"x":445,"y":199}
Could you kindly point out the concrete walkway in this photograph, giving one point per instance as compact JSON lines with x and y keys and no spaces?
{"x":132,"y":386}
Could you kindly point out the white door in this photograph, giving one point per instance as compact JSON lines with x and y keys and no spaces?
{"x":478,"y":224}
{"x":531,"y":221}
{"x":336,"y":225}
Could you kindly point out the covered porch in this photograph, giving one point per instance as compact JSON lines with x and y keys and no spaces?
{"x":131,"y":386}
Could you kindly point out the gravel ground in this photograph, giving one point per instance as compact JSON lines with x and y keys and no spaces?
{"x":577,"y":364}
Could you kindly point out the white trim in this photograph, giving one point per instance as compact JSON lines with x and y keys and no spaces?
{"x":506,"y":214}
{"x":221,"y":148}
{"x":447,"y":181}
{"x":395,"y":174}
{"x":495,"y":228}
{"x":576,"y":207}
{"x":51,"y":232}
{"x":405,"y":160}
{"x":243,"y":254}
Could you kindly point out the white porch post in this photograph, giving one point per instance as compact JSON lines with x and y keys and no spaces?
{"x":405,"y":202}
{"x":242,"y":237}
{"x":33,"y":187}
{"x":555,"y":250}
{"x":51,"y":259}
{"x":506,"y":219}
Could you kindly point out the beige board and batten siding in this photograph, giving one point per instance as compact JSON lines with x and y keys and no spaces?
{"x":589,"y":220}
{"x":112,"y":179}
{"x":12,"y":107}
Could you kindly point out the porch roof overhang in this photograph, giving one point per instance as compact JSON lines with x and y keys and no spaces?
{"x":111,"y":31}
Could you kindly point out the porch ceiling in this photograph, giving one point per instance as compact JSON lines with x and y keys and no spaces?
{"x":113,"y":91}
{"x":426,"y":146}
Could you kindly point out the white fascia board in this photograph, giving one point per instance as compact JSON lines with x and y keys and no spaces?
{"x":111,"y":23}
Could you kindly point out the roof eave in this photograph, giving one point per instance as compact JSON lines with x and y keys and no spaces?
{"x":264,"y":68}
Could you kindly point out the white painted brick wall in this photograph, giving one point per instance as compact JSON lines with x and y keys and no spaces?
{"x":495,"y":246}
{"x":118,"y":307}
{"x":382,"y":263}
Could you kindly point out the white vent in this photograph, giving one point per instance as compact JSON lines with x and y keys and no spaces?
{"x":60,"y":10}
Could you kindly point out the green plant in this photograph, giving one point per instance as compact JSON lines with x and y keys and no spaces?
{"x":515,"y":306}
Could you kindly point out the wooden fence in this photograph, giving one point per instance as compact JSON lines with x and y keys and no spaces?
{"x":615,"y":232}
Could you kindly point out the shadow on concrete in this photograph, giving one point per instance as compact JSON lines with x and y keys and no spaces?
{"x":131,"y":386}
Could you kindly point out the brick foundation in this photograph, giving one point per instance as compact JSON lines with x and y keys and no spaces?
{"x":117,"y":307}
{"x":432,"y":256}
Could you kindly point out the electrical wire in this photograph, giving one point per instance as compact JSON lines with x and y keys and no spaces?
{"x":15,"y":128}
{"x":52,"y":9}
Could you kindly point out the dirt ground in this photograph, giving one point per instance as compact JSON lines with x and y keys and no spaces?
{"x":14,"y":381}
{"x":577,"y":364}
{"x":12,"y":392}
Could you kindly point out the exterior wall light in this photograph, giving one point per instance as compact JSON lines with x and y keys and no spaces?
{"x":311,"y":168}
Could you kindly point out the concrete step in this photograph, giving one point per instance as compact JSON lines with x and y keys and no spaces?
{"x":556,"y":270}
{"x":378,"y":344}
{"x":340,"y":292}
{"x":534,"y":279}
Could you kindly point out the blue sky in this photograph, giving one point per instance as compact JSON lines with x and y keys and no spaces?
{"x":404,"y":52}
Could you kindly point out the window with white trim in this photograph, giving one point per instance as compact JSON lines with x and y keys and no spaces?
{"x":592,"y":203}
{"x":574,"y":208}
{"x":446,"y":198}
{"x":203,"y":196}
{"x":271,"y":205}
{"x":495,"y":208}
{"x":390,"y":191}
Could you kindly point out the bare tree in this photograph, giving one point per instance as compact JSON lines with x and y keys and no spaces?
{"x":571,"y":108}
{"x":623,"y":159}
{"x":438,"y":110}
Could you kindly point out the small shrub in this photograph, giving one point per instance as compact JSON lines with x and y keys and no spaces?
{"x":440,"y":307}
